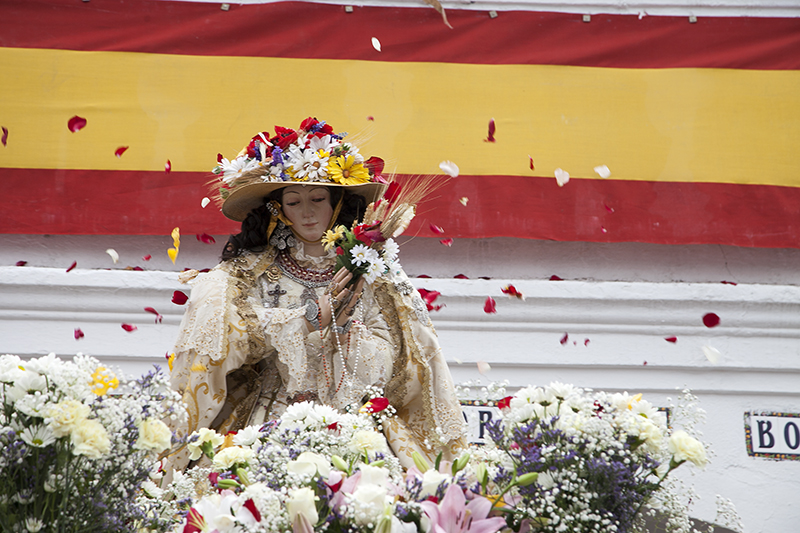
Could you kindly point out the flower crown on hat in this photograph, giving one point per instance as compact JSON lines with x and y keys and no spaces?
{"x":311,"y":154}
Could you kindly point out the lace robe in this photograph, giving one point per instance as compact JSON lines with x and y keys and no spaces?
{"x":244,"y":352}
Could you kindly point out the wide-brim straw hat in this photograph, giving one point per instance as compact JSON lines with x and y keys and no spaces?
{"x":245,"y":198}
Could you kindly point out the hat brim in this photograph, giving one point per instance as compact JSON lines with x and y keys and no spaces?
{"x":248,"y":197}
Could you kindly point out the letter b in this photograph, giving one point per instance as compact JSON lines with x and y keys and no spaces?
{"x":765,"y":438}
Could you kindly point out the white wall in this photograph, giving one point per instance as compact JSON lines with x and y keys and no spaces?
{"x":623,"y":298}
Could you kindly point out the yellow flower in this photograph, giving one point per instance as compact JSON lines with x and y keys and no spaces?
{"x":331,"y":236}
{"x":102,"y":380}
{"x":345,"y":170}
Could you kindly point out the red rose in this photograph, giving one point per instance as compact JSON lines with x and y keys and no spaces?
{"x":284,"y":137}
{"x":339,"y":250}
{"x":374,"y":165}
{"x":368,"y":234}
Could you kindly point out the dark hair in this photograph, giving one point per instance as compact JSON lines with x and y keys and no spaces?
{"x":253,"y":236}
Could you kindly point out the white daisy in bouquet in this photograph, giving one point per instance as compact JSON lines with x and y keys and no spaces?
{"x":77,"y":444}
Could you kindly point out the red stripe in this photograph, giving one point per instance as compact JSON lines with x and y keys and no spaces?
{"x":152,"y":203}
{"x":308,"y":30}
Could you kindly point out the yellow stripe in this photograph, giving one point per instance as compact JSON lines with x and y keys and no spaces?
{"x":711,"y":125}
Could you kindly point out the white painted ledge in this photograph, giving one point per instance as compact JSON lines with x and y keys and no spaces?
{"x":704,"y":8}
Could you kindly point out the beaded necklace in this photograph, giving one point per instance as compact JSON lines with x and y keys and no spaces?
{"x":307,"y":277}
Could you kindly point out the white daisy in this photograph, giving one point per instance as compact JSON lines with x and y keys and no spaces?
{"x":390,"y":249}
{"x":237,"y":167}
{"x":360,"y":254}
{"x":375,"y":269}
{"x":325,"y":143}
{"x":38,"y":436}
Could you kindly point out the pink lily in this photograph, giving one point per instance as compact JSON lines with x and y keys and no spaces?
{"x":455,"y":515}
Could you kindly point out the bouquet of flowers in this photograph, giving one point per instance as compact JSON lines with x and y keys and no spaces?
{"x":72,"y":456}
{"x":599,"y":460}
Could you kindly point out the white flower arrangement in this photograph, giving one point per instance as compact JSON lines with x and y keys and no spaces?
{"x":72,"y":455}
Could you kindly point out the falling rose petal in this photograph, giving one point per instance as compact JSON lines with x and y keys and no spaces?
{"x":449,"y":168}
{"x":512,"y":292}
{"x":490,"y":138}
{"x":371,"y":118}
{"x":564,"y":339}
{"x":447,"y":242}
{"x":586,"y":342}
{"x":158,"y":315}
{"x":484,"y":367}
{"x":602,"y":171}
{"x":489,"y":306}
{"x":609,"y":209}
{"x":712,"y":354}
{"x":603,"y":229}
{"x":530,"y":161}
{"x":375,"y":165}
{"x":710,"y":320}
{"x":205,"y":201}
{"x":424,"y":276}
{"x":219,"y":158}
{"x":464,"y":201}
{"x":562,"y":177}
{"x":119,"y":151}
{"x":671,"y":339}
{"x":173,"y":254}
{"x":206,"y":238}
{"x":73,"y":265}
{"x":645,"y":363}
{"x":460,"y":276}
{"x":129,"y":328}
{"x":168,"y":166}
{"x":4,"y":139}
{"x":21,"y":263}
{"x":179,"y":298}
{"x":458,"y":361}
{"x":436,"y":229}
{"x":114,"y":255}
{"x":376,"y":44}
{"x":487,"y":278}
{"x":78,"y":334}
{"x":148,"y":257}
{"x":729,"y":283}
{"x":137,"y":269}
{"x":76,"y":124}
{"x":555,"y":278}
{"x":176,"y":237}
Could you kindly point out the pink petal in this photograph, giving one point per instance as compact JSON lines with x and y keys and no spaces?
{"x":73,"y":265}
{"x":129,"y":327}
{"x":447,"y":242}
{"x":436,"y":229}
{"x":424,"y":276}
{"x":564,"y":339}
{"x":219,"y":158}
{"x":119,"y":151}
{"x":490,"y":138}
{"x":78,"y":334}
{"x":728,"y":282}
{"x":710,"y":320}
{"x":371,"y":118}
{"x":168,"y":166}
{"x":586,"y":342}
{"x":137,"y":269}
{"x":206,"y":238}
{"x":609,"y":209}
{"x":603,"y":229}
{"x":489,"y":306}
{"x":672,"y":339}
{"x":555,"y":278}
{"x":21,"y":263}
{"x":148,"y":257}
{"x":460,"y":276}
{"x":531,"y":162}
{"x":512,"y":291}
{"x":4,"y":139}
{"x":158,"y":315}
{"x":645,"y":363}
{"x":179,"y":298}
{"x":76,"y":123}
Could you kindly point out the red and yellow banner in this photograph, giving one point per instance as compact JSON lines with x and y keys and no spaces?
{"x":699,"y":124}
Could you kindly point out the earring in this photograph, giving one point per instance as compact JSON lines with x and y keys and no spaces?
{"x":282,"y":237}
